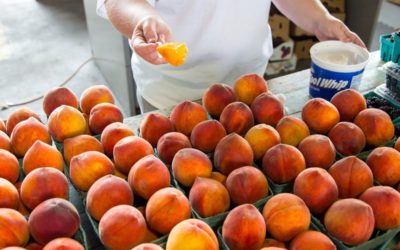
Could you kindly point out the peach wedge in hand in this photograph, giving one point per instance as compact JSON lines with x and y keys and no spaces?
{"x":173,"y":53}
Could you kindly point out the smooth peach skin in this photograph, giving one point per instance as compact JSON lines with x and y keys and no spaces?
{"x":18,"y":116}
{"x":5,"y":141}
{"x":93,"y":96}
{"x":153,"y":126}
{"x":318,"y":151}
{"x":237,"y":118}
{"x":215,"y":175}
{"x":59,"y":96}
{"x":397,"y":144}
{"x":102,"y":115}
{"x":34,"y":246}
{"x":292,"y":130}
{"x":9,"y":197}
{"x":217,"y":97}
{"x":270,"y":242}
{"x":249,"y":86}
{"x":147,"y":246}
{"x":80,"y":144}
{"x":311,"y":240}
{"x":107,"y":192}
{"x":349,"y":103}
{"x":185,"y":115}
{"x":14,"y":229}
{"x":262,"y":137}
{"x":41,"y":154}
{"x":385,"y":165}
{"x":268,"y":109}
{"x":348,"y":138}
{"x":26,"y":133}
{"x":170,"y":143}
{"x":320,"y":115}
{"x":244,"y":228}
{"x":112,"y":134}
{"x":3,"y":126}
{"x":9,"y":166}
{"x":206,"y":135}
{"x":340,"y":217}
{"x":63,"y":244}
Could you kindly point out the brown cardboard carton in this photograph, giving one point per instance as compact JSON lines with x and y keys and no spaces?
{"x":279,"y":27}
{"x":302,"y":48}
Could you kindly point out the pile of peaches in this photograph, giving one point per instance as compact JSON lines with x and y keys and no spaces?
{"x":203,"y":176}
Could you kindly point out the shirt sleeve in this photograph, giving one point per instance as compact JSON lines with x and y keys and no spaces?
{"x":101,"y":8}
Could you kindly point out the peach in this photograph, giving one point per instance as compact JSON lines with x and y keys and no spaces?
{"x":385,"y":165}
{"x":320,"y":115}
{"x":318,"y":151}
{"x":166,"y":208}
{"x":218,"y":177}
{"x":272,"y":248}
{"x":52,"y":219}
{"x":42,"y":184}
{"x":9,"y":197}
{"x":9,"y":166}
{"x":112,"y":134}
{"x":4,"y":141}
{"x":34,"y":246}
{"x":13,"y":248}
{"x":26,"y":133}
{"x":153,"y":126}
{"x":376,"y":125}
{"x":2,"y":126}
{"x":170,"y":143}
{"x":80,"y":144}
{"x":192,"y":234}
{"x":148,"y":175}
{"x":14,"y":229}
{"x":237,"y":118}
{"x":66,"y":122}
{"x":262,"y":137}
{"x":63,"y":244}
{"x":244,"y":228}
{"x":147,"y":246}
{"x":248,"y":87}
{"x":189,"y":163}
{"x":282,"y":163}
{"x":102,"y":115}
{"x":270,"y":242}
{"x":292,"y":130}
{"x":397,"y":144}
{"x":208,"y":197}
{"x":352,"y":176}
{"x":348,"y":138}
{"x":246,"y":185}
{"x":122,"y":227}
{"x":107,"y":192}
{"x":185,"y":115}
{"x":349,"y":103}
{"x":340,"y":217}
{"x":88,"y":167}
{"x":87,"y":130}
{"x":232,"y":152}
{"x":268,"y":109}
{"x":217,"y":97}
{"x":40,"y":155}
{"x":59,"y":96}
{"x":128,"y":151}
{"x":385,"y":202}
{"x":18,"y":116}
{"x":206,"y":135}
{"x":317,"y":188}
{"x":288,"y":210}
{"x":312,"y":240}
{"x":93,"y":96}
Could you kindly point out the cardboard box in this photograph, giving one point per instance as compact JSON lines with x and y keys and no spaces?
{"x":302,"y":48}
{"x":281,"y":66}
{"x":296,"y":31}
{"x":283,"y":51}
{"x":334,"y":5}
{"x":279,"y":27}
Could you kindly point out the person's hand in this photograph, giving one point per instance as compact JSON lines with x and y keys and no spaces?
{"x":331,"y":28}
{"x":147,"y":35}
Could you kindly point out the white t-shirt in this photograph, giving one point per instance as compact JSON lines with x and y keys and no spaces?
{"x":225,"y":38}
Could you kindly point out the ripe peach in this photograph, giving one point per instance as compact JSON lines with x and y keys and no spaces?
{"x":232,"y":152}
{"x":288,"y":210}
{"x":262,"y":137}
{"x":270,"y":242}
{"x":185,"y":115}
{"x":169,"y":144}
{"x":112,"y":134}
{"x":88,"y":167}
{"x":14,"y":229}
{"x":148,"y":175}
{"x":80,"y":144}
{"x":26,"y":133}
{"x":218,"y":177}
{"x":63,"y":244}
{"x":9,"y":166}
{"x":153,"y":126}
{"x":192,"y":234}
{"x":268,"y":109}
{"x":318,"y":151}
{"x":147,"y":246}
{"x":128,"y":151}
{"x":248,"y":87}
{"x":4,"y":141}
{"x":206,"y":135}
{"x":102,"y":115}
{"x":312,"y":240}
{"x":3,"y":126}
{"x":397,"y":144}
{"x":9,"y":197}
{"x":18,"y":116}
{"x":349,"y":103}
{"x":385,"y":165}
{"x":217,"y":97}
{"x":244,"y":228}
{"x":237,"y":118}
{"x":66,"y":122}
{"x":122,"y":227}
{"x":59,"y":96}
{"x":166,"y":208}
{"x":93,"y":96}
{"x":209,"y":197}
{"x":40,"y":155}
{"x":13,"y":248}
{"x":317,"y":188}
{"x":292,"y":130}
{"x":320,"y":115}
{"x":52,"y":219}
{"x":348,"y":138}
{"x":87,"y":130}
{"x":34,"y":246}
{"x":340,"y":217}
{"x":376,"y":125}
{"x":282,"y":163}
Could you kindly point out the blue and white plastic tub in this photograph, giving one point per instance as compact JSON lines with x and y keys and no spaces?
{"x":336,"y":66}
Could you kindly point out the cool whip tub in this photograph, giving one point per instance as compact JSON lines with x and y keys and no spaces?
{"x":336,"y":66}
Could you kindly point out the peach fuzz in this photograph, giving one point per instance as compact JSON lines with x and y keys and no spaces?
{"x":262,"y":137}
{"x":268,"y":109}
{"x":9,"y":166}
{"x":217,"y":97}
{"x":155,"y":125}
{"x":14,"y":229}
{"x":312,"y":240}
{"x":63,"y":244}
{"x":206,"y":135}
{"x":147,"y":246}
{"x":170,"y":143}
{"x":249,"y":86}
{"x":66,"y":122}
{"x":292,"y":130}
{"x":349,"y":103}
{"x":9,"y":197}
{"x":385,"y":165}
{"x":237,"y":118}
{"x":41,"y":154}
{"x":80,"y":144}
{"x":318,"y":151}
{"x":348,"y":138}
{"x":94,"y":95}
{"x":18,"y":116}
{"x":320,"y":115}
{"x":102,"y":115}
{"x":112,"y":134}
{"x":59,"y":96}
{"x":185,"y":115}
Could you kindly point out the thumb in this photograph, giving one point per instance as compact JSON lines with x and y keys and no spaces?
{"x":150,"y":32}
